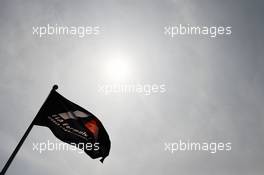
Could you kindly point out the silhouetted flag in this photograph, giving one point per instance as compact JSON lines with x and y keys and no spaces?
{"x":74,"y":125}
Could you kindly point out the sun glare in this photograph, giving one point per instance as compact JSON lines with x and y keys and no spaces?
{"x":118,"y":68}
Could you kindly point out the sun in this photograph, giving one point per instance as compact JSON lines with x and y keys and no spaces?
{"x":118,"y":68}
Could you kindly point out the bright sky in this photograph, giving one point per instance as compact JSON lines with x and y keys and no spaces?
{"x":214,"y":87}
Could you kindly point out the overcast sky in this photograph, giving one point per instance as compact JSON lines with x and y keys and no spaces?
{"x":215,"y":87}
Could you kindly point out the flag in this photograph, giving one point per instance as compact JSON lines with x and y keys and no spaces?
{"x":74,"y":125}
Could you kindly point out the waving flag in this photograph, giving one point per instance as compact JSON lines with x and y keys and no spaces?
{"x":74,"y":125}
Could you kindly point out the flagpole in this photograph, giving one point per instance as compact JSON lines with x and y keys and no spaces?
{"x":55,"y":87}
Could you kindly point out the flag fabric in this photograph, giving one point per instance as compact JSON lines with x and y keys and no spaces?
{"x":74,"y":125}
